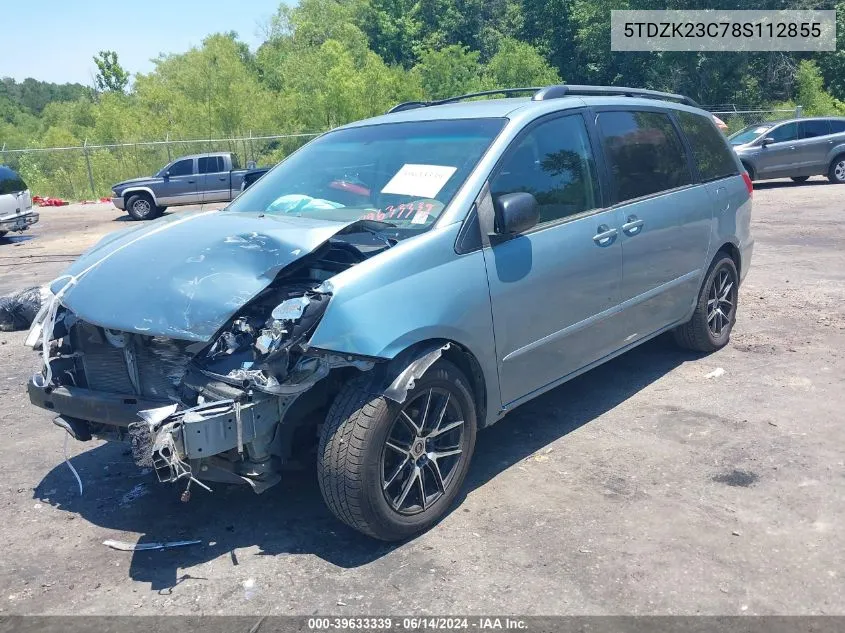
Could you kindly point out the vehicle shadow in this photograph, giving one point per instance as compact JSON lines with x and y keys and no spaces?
{"x":781,"y":184}
{"x":291,"y":517}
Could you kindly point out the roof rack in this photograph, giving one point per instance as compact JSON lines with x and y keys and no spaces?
{"x":555,"y":92}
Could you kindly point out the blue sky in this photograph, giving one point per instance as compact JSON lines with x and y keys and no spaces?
{"x":54,"y":40}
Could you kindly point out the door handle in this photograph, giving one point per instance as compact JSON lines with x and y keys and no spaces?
{"x":221,"y":179}
{"x":190,"y":182}
{"x":605,"y":235}
{"x":632,"y":226}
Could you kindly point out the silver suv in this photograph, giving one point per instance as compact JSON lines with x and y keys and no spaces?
{"x":795,"y":149}
{"x":395,"y":285}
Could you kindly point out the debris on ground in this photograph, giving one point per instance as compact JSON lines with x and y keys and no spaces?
{"x":49,"y":202}
{"x":18,"y":310}
{"x":715,"y":373}
{"x":123,"y":546}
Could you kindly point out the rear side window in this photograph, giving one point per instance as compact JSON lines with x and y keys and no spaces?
{"x":812,"y":129}
{"x":210,"y":164}
{"x":182,"y":168}
{"x":10,"y":182}
{"x":554,"y":163}
{"x":644,"y":153}
{"x":837,"y":127}
{"x":712,"y":156}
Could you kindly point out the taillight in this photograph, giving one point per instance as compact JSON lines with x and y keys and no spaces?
{"x":748,"y":184}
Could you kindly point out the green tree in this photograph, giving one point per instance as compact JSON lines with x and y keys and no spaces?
{"x":518,"y":64}
{"x":450,"y":71}
{"x":111,"y":77}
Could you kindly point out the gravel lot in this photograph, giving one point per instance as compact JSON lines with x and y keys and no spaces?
{"x":642,"y":487}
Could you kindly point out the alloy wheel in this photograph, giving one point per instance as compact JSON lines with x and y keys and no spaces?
{"x":721,"y":302}
{"x":422,"y":452}
{"x":839,"y":171}
{"x":142,"y":207}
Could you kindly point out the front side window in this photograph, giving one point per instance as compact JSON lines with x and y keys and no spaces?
{"x":182,"y":167}
{"x":402,"y":174}
{"x":713,"y":158}
{"x":554,"y":163}
{"x":10,"y":182}
{"x":787,"y":132}
{"x":644,"y":153}
{"x":812,"y":129}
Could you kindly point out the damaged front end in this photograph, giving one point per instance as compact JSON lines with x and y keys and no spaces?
{"x":236,"y":408}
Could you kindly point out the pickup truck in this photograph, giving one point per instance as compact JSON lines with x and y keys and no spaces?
{"x":196,"y":179}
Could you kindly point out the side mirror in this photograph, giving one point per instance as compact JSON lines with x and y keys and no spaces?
{"x":767,"y":140}
{"x":166,"y":175}
{"x":515,"y":213}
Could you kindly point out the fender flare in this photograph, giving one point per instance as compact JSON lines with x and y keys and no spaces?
{"x":129,"y":191}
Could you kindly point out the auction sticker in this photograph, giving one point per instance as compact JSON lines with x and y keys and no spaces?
{"x":424,"y":181}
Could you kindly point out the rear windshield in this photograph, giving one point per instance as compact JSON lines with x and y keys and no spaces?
{"x":400,"y":173}
{"x":10,"y":182}
{"x":749,"y":134}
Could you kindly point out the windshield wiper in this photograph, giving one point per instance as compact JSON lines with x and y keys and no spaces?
{"x":373,"y":227}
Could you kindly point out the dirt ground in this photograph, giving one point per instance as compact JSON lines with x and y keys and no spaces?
{"x":642,"y":487}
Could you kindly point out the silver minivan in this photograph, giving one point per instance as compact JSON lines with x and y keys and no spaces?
{"x":795,"y":149}
{"x":395,"y":285}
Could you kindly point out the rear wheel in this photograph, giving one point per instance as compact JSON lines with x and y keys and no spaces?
{"x":800,"y":178}
{"x":836,"y":173}
{"x":140,"y":207}
{"x":710,"y":327}
{"x":392,"y":470}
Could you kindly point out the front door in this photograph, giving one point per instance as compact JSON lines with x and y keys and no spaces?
{"x":553,"y":288}
{"x":666,"y":217}
{"x":778,"y":159}
{"x":180,"y":184}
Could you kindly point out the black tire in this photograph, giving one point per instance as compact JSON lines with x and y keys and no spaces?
{"x":2,"y":233}
{"x":353,"y":454}
{"x":749,"y":169}
{"x":800,"y":178}
{"x":701,"y":333}
{"x":836,"y":171}
{"x":141,"y":207}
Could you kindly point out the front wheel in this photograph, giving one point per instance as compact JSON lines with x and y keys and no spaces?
{"x":141,"y":207}
{"x":392,"y":470}
{"x":710,"y":327}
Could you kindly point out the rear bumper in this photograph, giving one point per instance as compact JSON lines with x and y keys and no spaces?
{"x":18,"y":221}
{"x":118,"y":202}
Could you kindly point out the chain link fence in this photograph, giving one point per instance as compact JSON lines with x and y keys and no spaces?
{"x":737,"y":119}
{"x":88,"y":171}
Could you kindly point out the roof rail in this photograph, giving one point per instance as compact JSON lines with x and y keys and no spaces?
{"x":410,"y":105}
{"x":567,"y":90}
{"x":555,"y":92}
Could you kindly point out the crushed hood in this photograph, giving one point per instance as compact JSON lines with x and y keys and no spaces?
{"x":185,"y":275}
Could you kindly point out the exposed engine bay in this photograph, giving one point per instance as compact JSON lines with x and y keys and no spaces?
{"x":236,"y":409}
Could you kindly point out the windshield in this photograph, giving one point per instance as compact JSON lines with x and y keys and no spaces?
{"x":403,"y":174}
{"x":748,"y":134}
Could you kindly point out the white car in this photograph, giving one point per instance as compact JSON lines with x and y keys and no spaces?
{"x":16,"y":212}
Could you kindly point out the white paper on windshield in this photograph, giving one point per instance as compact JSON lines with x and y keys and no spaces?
{"x":422,"y":181}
